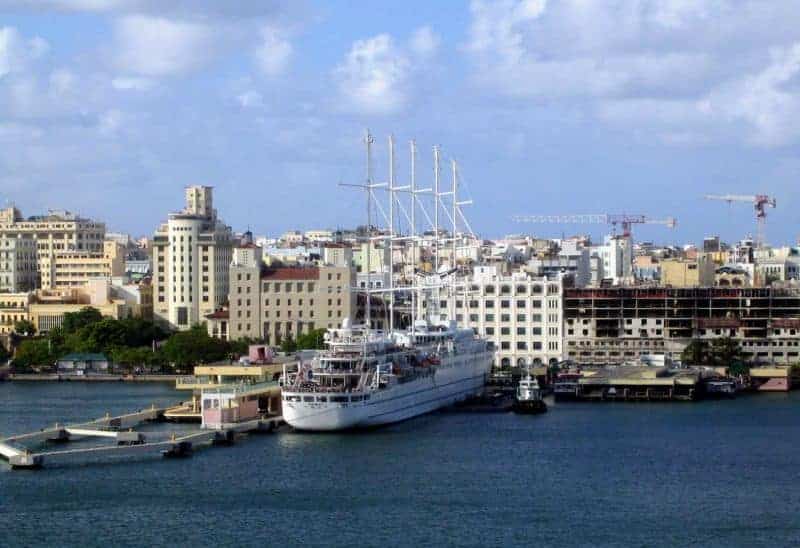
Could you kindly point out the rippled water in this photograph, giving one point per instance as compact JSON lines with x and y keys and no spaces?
{"x":714,"y":473}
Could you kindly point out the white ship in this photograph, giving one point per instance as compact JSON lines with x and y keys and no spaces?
{"x":367,"y":377}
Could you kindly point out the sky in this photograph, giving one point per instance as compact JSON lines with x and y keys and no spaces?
{"x":110,"y":107}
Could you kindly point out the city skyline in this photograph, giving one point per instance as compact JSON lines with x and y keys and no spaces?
{"x":546,"y":109}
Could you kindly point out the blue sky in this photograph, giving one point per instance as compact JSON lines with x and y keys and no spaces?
{"x":110,"y":107}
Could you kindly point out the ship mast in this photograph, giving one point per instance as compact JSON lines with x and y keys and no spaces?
{"x":391,"y":232}
{"x":436,"y":199}
{"x":413,"y":146}
{"x":368,"y":140}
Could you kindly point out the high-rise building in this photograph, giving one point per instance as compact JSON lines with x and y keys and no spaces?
{"x":192,"y":253}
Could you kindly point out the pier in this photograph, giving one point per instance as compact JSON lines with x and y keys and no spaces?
{"x":30,"y":450}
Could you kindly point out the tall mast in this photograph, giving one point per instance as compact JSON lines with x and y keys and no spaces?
{"x":368,"y":140}
{"x":413,"y":146}
{"x":455,"y":245}
{"x":391,"y":232}
{"x":436,"y":171}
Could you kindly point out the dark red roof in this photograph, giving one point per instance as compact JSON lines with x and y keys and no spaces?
{"x":291,"y":273}
{"x":218,"y":315}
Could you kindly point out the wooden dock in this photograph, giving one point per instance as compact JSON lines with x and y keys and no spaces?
{"x":20,"y":451}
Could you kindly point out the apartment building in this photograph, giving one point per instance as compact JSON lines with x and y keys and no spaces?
{"x":43,"y":236}
{"x":273,"y":304}
{"x":18,"y":266}
{"x":608,"y":326}
{"x":13,"y":308}
{"x":75,"y":268}
{"x":192,"y":254}
{"x":520,"y":314}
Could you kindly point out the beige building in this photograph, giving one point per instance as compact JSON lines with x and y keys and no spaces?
{"x":13,"y":308}
{"x":273,"y":304}
{"x":18,"y":270}
{"x":688,"y":272}
{"x":44,"y":235}
{"x":74,"y":268}
{"x":192,"y":253}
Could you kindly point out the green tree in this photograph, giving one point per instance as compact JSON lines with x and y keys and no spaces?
{"x":288,"y":345}
{"x":73,"y":321}
{"x":695,"y":353}
{"x":185,"y":349}
{"x":725,"y":351}
{"x":4,"y":354}
{"x":312,"y":340}
{"x":32,"y":352}
{"x":24,"y":327}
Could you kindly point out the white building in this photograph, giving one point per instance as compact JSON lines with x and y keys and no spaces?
{"x":192,"y":253}
{"x":616,"y":257}
{"x":520,"y":314}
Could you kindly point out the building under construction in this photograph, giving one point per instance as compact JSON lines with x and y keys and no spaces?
{"x":614,"y":325}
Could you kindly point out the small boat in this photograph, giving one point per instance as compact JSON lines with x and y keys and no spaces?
{"x":720,"y":388}
{"x":529,"y":397}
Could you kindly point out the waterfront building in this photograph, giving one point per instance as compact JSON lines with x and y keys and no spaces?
{"x":612,"y":325}
{"x":272,"y":304}
{"x":520,"y":314}
{"x":25,"y":244}
{"x":192,"y":254}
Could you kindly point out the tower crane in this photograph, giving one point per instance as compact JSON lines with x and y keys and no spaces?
{"x":760,"y":203}
{"x":625,"y":221}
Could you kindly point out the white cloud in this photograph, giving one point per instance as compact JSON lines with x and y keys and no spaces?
{"x":128,"y":83}
{"x":689,"y":71}
{"x":17,"y":52}
{"x":379,"y":76}
{"x":424,"y":42}
{"x":273,"y":53}
{"x":156,"y":46}
{"x":767,"y":100}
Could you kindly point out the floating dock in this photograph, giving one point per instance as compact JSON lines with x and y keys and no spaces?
{"x":29,"y":451}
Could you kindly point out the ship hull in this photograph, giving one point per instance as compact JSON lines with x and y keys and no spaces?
{"x":456,"y":379}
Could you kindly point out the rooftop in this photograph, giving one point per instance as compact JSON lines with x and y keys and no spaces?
{"x":291,"y":273}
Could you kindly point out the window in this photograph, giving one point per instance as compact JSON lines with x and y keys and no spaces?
{"x":520,"y":331}
{"x":505,"y":331}
{"x":505,"y":304}
{"x":489,"y":317}
{"x":521,"y":317}
{"x":521,"y":303}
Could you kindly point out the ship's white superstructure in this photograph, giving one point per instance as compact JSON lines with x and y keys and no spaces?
{"x":369,"y":378}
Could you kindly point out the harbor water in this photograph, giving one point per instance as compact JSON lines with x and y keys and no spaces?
{"x":721,"y":473}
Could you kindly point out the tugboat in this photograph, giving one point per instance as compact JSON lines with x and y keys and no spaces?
{"x":529,"y":397}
